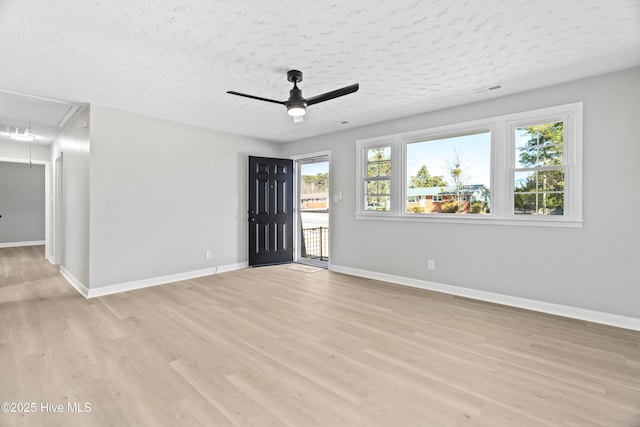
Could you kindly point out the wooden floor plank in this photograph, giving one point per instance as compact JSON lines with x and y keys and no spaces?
{"x":274,"y":346}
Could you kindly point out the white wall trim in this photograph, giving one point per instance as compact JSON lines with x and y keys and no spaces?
{"x":311,"y":155}
{"x":145,"y":283}
{"x":18,"y":244}
{"x":528,"y":304}
{"x":78,"y":285}
{"x":231,"y":267}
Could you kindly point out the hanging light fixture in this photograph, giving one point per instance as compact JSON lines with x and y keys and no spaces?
{"x":24,"y":136}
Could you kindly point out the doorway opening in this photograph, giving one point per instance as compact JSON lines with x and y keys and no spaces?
{"x":47,"y":214}
{"x":313,"y":236}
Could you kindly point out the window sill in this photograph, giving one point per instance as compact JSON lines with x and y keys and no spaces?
{"x":467,"y":219}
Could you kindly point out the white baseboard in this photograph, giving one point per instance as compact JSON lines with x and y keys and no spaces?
{"x":145,"y":283}
{"x":80,"y":287}
{"x":528,"y":304}
{"x":18,"y":244}
{"x":232,"y":267}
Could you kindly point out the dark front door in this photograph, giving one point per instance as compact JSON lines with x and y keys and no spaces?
{"x":270,"y":211}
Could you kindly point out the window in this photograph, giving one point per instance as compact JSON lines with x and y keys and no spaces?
{"x":454,"y":170}
{"x":378,"y":179}
{"x":539,"y":172}
{"x":523,"y":168}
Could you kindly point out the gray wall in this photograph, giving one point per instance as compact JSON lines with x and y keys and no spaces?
{"x":594,"y":267}
{"x":162,"y":194}
{"x":22,"y":203}
{"x":20,"y":150}
{"x":74,"y":144}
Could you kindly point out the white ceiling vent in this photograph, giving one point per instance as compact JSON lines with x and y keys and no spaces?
{"x":68,"y":115}
{"x":488,"y":89}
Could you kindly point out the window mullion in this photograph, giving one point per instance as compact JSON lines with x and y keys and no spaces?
{"x":501,"y":171}
{"x":398,"y":154}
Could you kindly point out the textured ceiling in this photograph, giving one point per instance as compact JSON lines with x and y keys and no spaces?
{"x":41,"y":117}
{"x":176,"y":59}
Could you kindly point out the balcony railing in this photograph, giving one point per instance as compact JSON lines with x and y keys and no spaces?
{"x":315,"y":244}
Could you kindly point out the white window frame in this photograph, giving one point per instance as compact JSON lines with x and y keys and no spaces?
{"x":361,"y":191}
{"x":503,"y":150}
{"x":572,"y":164}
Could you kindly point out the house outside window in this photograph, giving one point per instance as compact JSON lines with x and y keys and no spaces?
{"x":449,"y":169}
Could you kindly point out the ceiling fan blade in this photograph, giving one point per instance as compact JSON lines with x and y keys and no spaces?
{"x":333,"y":94}
{"x":256,"y":97}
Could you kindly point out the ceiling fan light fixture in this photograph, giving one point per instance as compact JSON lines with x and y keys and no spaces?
{"x":296,"y":110}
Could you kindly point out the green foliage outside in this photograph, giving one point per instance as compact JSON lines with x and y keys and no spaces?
{"x":542,"y":192}
{"x":424,"y":179}
{"x":315,"y":183}
{"x":545,"y":145}
{"x":449,"y":207}
{"x":379,"y":186}
{"x":379,"y":162}
{"x":479,"y":207}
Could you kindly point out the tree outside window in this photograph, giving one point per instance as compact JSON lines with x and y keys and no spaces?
{"x":539,"y":176}
{"x":378,"y":180}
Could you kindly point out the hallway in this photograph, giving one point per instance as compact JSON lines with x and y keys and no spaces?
{"x":25,"y":274}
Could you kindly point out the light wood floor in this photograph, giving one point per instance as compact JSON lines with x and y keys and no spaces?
{"x":274,"y":346}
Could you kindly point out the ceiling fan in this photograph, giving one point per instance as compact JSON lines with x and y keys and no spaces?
{"x":296,"y":104}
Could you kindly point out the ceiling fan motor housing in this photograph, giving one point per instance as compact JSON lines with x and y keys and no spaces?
{"x":295,"y":97}
{"x":296,"y":104}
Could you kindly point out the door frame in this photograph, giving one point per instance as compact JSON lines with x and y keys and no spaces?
{"x":58,"y":211}
{"x":277,"y":216}
{"x":297,"y":161}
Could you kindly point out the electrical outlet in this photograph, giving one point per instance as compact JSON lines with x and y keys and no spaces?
{"x":431,"y":265}
{"x":207,"y":254}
